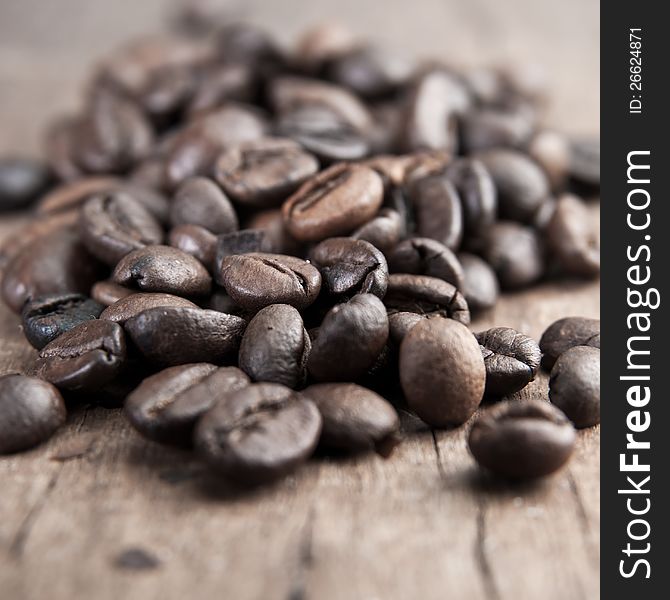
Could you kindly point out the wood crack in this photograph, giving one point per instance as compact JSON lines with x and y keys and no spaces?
{"x":305,"y":559}
{"x":481,"y":556}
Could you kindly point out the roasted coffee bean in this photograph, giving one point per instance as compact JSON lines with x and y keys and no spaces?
{"x":259,"y":433}
{"x":387,"y":127}
{"x":442,"y":372}
{"x":73,"y":194}
{"x":349,"y":340}
{"x":264,"y":172}
{"x":355,"y":419}
{"x":585,"y":162}
{"x":134,"y":303}
{"x":437,"y":210}
{"x":271,"y":223}
{"x":22,"y":180}
{"x":32,"y":410}
{"x":565,"y":333}
{"x":222,"y":302}
{"x":163,"y":269}
{"x":322,"y":43}
{"x":166,"y":93}
{"x":196,"y":241}
{"x":223,"y":83}
{"x":477,"y":192}
{"x":511,"y":358}
{"x":572,"y":238}
{"x":257,"y":280}
{"x":85,"y":358}
{"x":383,"y":231}
{"x":47,"y":317}
{"x":199,"y":201}
{"x":521,"y":185}
{"x":401,"y":322}
{"x":248,"y":44}
{"x":426,"y":295}
{"x":350,"y":267}
{"x":241,"y":242}
{"x":200,"y":335}
{"x":424,"y":256}
{"x":486,"y":128}
{"x":58,"y":142}
{"x":166,"y":406}
{"x":551,"y":150}
{"x":335,"y":202}
{"x":522,"y":439}
{"x":108,"y":292}
{"x":275,"y":346}
{"x":574,"y":385}
{"x":54,"y":264}
{"x":480,"y":285}
{"x":515,"y":253}
{"x":114,"y":224}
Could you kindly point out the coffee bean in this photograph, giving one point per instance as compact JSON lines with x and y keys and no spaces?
{"x":350,"y":339}
{"x":574,"y":385}
{"x":477,"y":192}
{"x":166,"y":406}
{"x":73,"y":194}
{"x":85,"y":358}
{"x":522,"y":439}
{"x":401,"y":322}
{"x":58,"y":152}
{"x":271,"y":223}
{"x":114,"y":224}
{"x":134,"y":303}
{"x":426,"y":295}
{"x":222,"y":302}
{"x":324,"y":42}
{"x":480,"y":285}
{"x":442,"y":372}
{"x":275,"y":346}
{"x":424,"y":256}
{"x":511,"y":359}
{"x":335,"y":202}
{"x":485,"y":128}
{"x":163,"y":269}
{"x":32,"y":410}
{"x":47,"y":317}
{"x":585,"y":162}
{"x":566,"y":333}
{"x":387,"y":126}
{"x":166,"y":92}
{"x":259,"y":433}
{"x":196,"y":241}
{"x":223,"y":83}
{"x":108,"y":292}
{"x":264,"y":172}
{"x":383,"y":231}
{"x":249,"y":44}
{"x":245,"y":241}
{"x":257,"y":280}
{"x":202,"y":335}
{"x":22,"y":180}
{"x":350,"y":267}
{"x":199,"y":201}
{"x":355,"y":419}
{"x":551,"y":150}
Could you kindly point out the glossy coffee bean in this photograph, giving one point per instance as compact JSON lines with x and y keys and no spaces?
{"x":245,"y":241}
{"x":196,"y":241}
{"x":136,"y":302}
{"x":442,"y":372}
{"x":335,"y":202}
{"x":199,"y":201}
{"x":257,"y":280}
{"x":163,"y":269}
{"x":203,"y":335}
{"x":107,"y":292}
{"x":585,"y":162}
{"x":480,"y":284}
{"x":349,"y":340}
{"x":166,"y":406}
{"x":350,"y":267}
{"x":22,"y":180}
{"x":85,"y":358}
{"x":574,"y":385}
{"x":32,"y":410}
{"x":511,"y":359}
{"x":383,"y":231}
{"x":260,"y":433}
{"x":264,"y":172}
{"x":47,"y":317}
{"x":355,"y":419}
{"x":477,"y":192}
{"x":522,"y":440}
{"x":401,"y":322}
{"x":424,"y":256}
{"x":275,"y":346}
{"x":566,"y":333}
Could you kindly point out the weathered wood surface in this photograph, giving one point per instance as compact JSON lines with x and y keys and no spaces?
{"x":424,"y":524}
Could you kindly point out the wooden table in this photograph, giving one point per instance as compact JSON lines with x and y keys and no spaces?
{"x":424,"y":524}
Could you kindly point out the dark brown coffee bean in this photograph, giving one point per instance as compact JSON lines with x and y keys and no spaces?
{"x":220,"y":84}
{"x":196,"y":241}
{"x":275,"y":346}
{"x":335,"y":202}
{"x":163,"y":269}
{"x":241,"y":242}
{"x":585,"y":162}
{"x":108,"y":292}
{"x":22,"y":180}
{"x":350,"y":267}
{"x":73,"y":194}
{"x":271,"y":223}
{"x":424,"y":256}
{"x":426,"y":295}
{"x":477,"y":193}
{"x":401,"y":322}
{"x":32,"y":410}
{"x":166,"y":93}
{"x":324,"y":42}
{"x":383,"y":231}
{"x":574,"y":385}
{"x":166,"y":406}
{"x":551,"y":150}
{"x":47,"y":317}
{"x":387,"y":128}
{"x":257,"y":280}
{"x":58,"y":149}
{"x":350,"y":339}
{"x":480,"y":284}
{"x":134,"y":303}
{"x":486,"y":128}
{"x":199,"y":201}
{"x":522,"y":439}
{"x":222,"y":302}
{"x":201,"y":334}
{"x":511,"y":358}
{"x":355,"y":419}
{"x":249,"y":44}
{"x":442,"y":372}
{"x":264,"y":172}
{"x":565,"y":333}
{"x":85,"y":358}
{"x":259,"y":433}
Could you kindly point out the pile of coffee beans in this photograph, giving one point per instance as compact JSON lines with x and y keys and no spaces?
{"x":265,"y":253}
